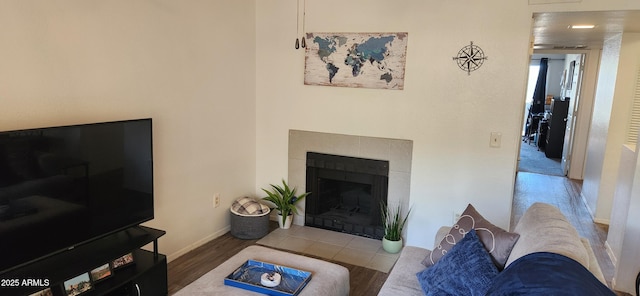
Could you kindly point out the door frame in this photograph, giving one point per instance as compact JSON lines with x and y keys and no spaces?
{"x":572,"y":112}
{"x":583,"y":110}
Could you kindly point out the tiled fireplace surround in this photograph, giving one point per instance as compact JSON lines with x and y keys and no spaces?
{"x":397,"y":152}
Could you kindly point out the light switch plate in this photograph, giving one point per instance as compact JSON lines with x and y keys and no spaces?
{"x":495,"y":140}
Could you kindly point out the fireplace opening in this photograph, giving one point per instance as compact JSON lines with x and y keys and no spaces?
{"x":346,"y":193}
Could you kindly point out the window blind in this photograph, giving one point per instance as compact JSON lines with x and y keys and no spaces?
{"x":634,"y":121}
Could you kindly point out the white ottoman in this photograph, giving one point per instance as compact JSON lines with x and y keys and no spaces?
{"x":327,"y":278}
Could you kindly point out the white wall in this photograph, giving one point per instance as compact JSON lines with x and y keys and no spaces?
{"x":583,"y":118}
{"x":184,"y":63}
{"x":624,"y":234}
{"x":554,"y":76}
{"x":614,"y":94}
{"x":447,"y":113}
{"x":596,"y":145}
{"x":622,"y":196}
{"x":629,"y":260}
{"x":624,"y":203}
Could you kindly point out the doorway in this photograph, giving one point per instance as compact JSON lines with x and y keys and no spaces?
{"x":548,"y":132}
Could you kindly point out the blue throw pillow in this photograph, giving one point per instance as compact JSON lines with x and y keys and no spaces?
{"x":467,"y":269}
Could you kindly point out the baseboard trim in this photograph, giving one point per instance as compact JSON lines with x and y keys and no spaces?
{"x":612,"y":256}
{"x":198,"y":243}
{"x":586,"y":204}
{"x":602,"y":221}
{"x":613,"y":283}
{"x":592,"y":213}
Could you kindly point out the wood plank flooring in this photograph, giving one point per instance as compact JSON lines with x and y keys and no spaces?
{"x":563,"y":193}
{"x":530,"y":187}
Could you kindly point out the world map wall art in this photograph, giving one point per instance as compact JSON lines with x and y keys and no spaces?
{"x":362,"y":60}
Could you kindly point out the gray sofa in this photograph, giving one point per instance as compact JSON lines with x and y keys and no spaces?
{"x":543,"y":228}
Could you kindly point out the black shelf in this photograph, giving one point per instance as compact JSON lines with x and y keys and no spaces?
{"x":556,"y":129}
{"x":70,"y":263}
{"x":543,"y":127}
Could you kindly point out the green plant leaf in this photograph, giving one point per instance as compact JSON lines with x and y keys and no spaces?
{"x":283,"y":198}
{"x":393,"y":222}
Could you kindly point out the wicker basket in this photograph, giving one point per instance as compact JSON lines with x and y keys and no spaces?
{"x":250,"y":226}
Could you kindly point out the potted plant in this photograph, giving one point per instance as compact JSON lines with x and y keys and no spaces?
{"x":393,"y":222}
{"x":284,"y":198}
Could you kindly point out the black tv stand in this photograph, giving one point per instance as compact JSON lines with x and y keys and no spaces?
{"x":147,"y":275}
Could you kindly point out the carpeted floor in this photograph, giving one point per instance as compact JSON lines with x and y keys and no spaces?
{"x":534,"y":161}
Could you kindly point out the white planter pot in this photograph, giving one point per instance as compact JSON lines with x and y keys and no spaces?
{"x":392,"y":247}
{"x":287,"y":222}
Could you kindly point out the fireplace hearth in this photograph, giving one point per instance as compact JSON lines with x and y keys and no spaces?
{"x":346,"y":193}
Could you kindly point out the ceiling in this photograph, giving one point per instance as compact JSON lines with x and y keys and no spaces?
{"x":550,"y":29}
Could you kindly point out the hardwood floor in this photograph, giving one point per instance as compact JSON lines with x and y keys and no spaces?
{"x":192,"y":265}
{"x":563,"y":193}
{"x":530,"y":187}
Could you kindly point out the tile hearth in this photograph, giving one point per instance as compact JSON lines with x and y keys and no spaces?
{"x":333,"y":245}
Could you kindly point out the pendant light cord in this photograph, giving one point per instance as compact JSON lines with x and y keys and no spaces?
{"x":298,"y":25}
{"x":304,"y":18}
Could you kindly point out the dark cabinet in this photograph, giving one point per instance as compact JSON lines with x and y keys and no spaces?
{"x":147,"y":275}
{"x":556,"y":126}
{"x":543,"y":127}
{"x":151,"y":281}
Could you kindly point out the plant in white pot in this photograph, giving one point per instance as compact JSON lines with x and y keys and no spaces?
{"x":284,"y":199}
{"x":393,"y":222}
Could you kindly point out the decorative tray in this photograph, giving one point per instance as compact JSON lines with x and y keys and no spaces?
{"x":248,"y":277}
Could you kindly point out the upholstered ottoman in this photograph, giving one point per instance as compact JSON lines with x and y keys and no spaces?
{"x":327,"y":278}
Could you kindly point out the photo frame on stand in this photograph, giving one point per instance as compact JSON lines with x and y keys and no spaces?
{"x":101,"y":273}
{"x":78,"y":285}
{"x":123,"y":261}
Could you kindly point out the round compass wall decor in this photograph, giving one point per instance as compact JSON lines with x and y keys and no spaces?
{"x":470,"y":58}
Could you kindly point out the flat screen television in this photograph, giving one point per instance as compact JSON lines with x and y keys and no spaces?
{"x":67,"y":185}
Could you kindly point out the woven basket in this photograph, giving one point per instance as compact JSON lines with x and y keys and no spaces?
{"x":250,"y":226}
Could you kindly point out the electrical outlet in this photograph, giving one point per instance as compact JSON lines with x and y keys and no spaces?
{"x":216,"y":200}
